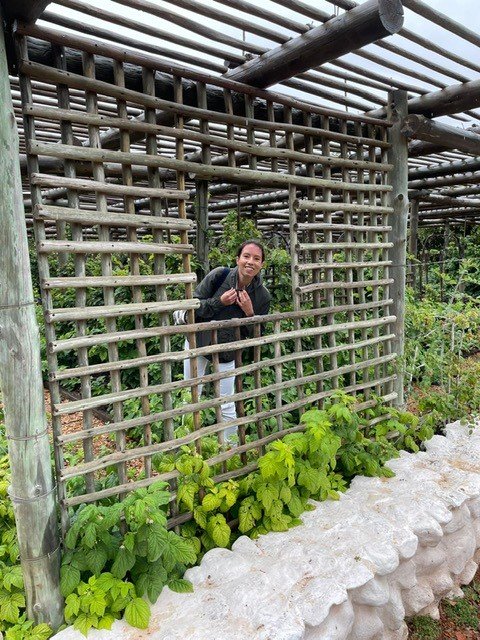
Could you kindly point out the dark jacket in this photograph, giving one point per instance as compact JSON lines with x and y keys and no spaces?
{"x":212,"y":309}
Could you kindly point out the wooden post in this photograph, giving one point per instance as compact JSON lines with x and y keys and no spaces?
{"x":201,"y":236}
{"x":201,"y":200}
{"x":398,"y":156}
{"x":413,"y":248}
{"x":444,"y":254}
{"x":32,"y":489}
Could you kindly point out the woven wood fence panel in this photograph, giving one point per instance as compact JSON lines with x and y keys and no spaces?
{"x":112,"y":171}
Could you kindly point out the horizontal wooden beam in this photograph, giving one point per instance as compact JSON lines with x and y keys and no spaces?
{"x":454,"y":99}
{"x":362,"y":25}
{"x":445,"y":169}
{"x":438,"y":182}
{"x":444,"y":200}
{"x":421,"y":128}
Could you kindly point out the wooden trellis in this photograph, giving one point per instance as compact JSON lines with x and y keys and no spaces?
{"x":111,"y":267}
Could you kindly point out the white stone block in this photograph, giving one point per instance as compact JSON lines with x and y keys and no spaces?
{"x":356,"y":567}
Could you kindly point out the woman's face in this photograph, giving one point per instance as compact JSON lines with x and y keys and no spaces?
{"x":249,"y":262}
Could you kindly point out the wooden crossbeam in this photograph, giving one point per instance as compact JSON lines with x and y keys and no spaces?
{"x":352,"y":30}
{"x":421,"y":128}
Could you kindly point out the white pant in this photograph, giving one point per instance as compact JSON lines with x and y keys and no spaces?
{"x":226,"y":387}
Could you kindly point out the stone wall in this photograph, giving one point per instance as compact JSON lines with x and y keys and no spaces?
{"x":389,"y":548}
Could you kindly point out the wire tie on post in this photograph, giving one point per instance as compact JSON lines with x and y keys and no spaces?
{"x":34,"y":436}
{"x":17,"y":500}
{"x":16,"y":306}
{"x":46,"y":555}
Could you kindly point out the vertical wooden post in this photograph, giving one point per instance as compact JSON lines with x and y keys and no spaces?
{"x":444,"y":254}
{"x":202,"y":247}
{"x":413,"y":245}
{"x":201,"y":214}
{"x":398,"y":156}
{"x":32,"y":489}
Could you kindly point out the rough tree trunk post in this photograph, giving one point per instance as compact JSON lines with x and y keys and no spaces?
{"x":32,"y":489}
{"x":398,"y":156}
{"x":413,"y":247}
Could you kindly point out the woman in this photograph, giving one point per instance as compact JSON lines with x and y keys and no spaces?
{"x":224,"y":295}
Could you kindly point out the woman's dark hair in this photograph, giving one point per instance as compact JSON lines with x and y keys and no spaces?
{"x":256,"y":243}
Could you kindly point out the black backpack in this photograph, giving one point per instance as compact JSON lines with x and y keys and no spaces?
{"x":220,"y":279}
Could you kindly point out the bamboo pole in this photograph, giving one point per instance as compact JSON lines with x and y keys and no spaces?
{"x":32,"y":489}
{"x":398,"y":155}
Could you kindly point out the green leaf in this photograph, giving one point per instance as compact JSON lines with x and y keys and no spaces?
{"x":9,"y":611}
{"x":180,"y":586}
{"x":71,"y":537}
{"x":151,"y":584}
{"x":72,"y":606}
{"x":186,"y":494}
{"x":79,"y":560}
{"x":96,"y":559}
{"x":219,"y":530}
{"x":246,"y":519}
{"x":211,"y":502}
{"x":156,"y":541}
{"x":69,"y":579}
{"x":106,"y":622}
{"x":99,"y":604}
{"x":295,"y":504}
{"x":41,"y":632}
{"x":269,"y":466}
{"x":13,"y":578}
{"x":129,"y":541}
{"x":285,"y":493}
{"x":90,"y":535}
{"x":280,"y":523}
{"x":137,"y":613}
{"x":111,"y":516}
{"x":266,"y":494}
{"x":119,"y":604}
{"x":123,"y":562}
{"x":85,"y":622}
{"x":308,"y":478}
{"x":276,"y":509}
{"x":178,"y":550}
{"x":200,"y":517}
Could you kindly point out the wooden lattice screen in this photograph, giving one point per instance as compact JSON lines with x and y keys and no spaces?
{"x":114,"y":244}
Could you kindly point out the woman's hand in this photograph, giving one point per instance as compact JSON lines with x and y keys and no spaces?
{"x":229,"y":297}
{"x":245,"y":303}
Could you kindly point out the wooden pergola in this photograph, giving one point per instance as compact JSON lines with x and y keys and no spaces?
{"x":155,"y":125}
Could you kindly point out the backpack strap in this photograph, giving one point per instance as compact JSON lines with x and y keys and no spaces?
{"x":220,"y":279}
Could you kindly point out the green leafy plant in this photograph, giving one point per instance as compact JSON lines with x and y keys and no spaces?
{"x":25,"y":629}
{"x":100,"y":601}
{"x":316,"y":463}
{"x":117,"y":554}
{"x":12,"y":596}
